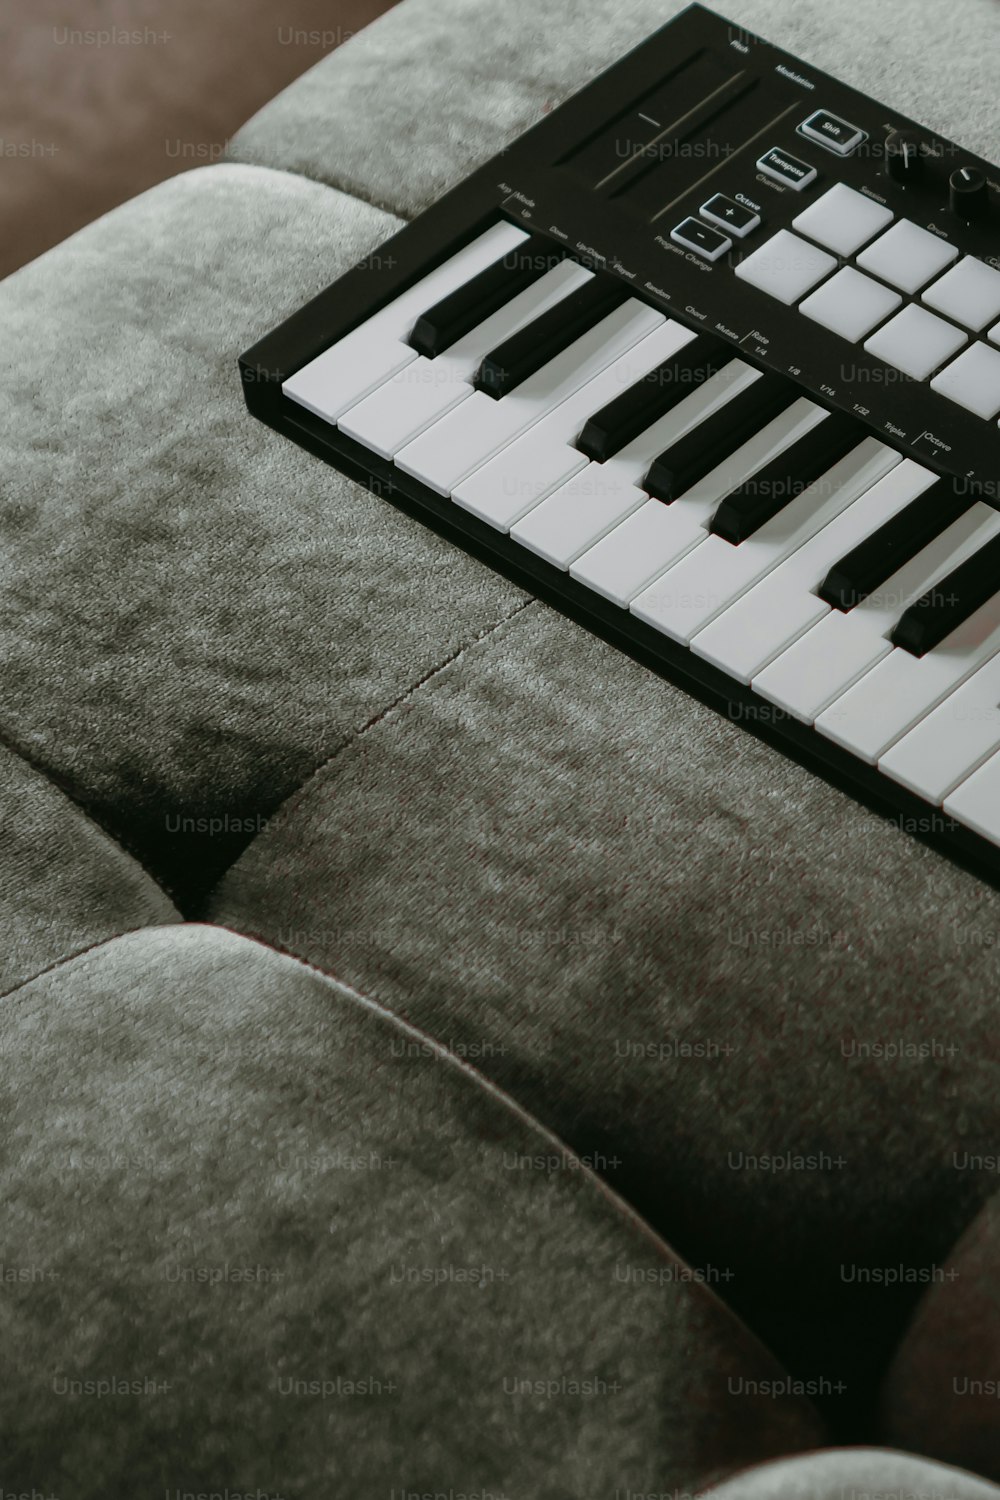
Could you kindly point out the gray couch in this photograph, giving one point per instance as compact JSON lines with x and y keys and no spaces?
{"x":438,"y":1056}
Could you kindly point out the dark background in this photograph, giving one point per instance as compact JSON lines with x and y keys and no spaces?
{"x":85,"y":124}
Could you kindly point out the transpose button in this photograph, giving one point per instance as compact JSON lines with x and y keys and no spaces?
{"x":786,"y":169}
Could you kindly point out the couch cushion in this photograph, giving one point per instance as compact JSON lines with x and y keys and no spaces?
{"x":194,"y":612}
{"x":855,"y":1474}
{"x":943,"y":1391}
{"x":678,"y":949}
{"x":330,"y":1258}
{"x":429,"y":92}
{"x":64,"y":885}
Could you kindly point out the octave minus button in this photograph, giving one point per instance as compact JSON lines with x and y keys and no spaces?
{"x":729,"y":214}
{"x":694,"y":235}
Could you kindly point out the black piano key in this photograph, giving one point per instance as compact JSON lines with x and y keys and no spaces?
{"x":697,"y":454}
{"x":950,"y":603}
{"x":637,"y":408}
{"x":893,"y":544}
{"x":511,"y":362}
{"x":469,"y":305}
{"x":768,"y":491}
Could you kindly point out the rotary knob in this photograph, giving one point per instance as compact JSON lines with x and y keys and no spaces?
{"x":904,"y":157}
{"x":969,"y":193}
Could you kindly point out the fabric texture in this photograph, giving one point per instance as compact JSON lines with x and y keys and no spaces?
{"x":679,"y":950}
{"x":194,"y":613}
{"x":64,"y":885}
{"x":259,"y":1237}
{"x":942,"y":1392}
{"x":854,"y":1472}
{"x":762,"y":1018}
{"x":432,"y":90}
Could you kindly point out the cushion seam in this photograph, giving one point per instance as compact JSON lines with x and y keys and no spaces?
{"x":57,"y":784}
{"x":82,"y":955}
{"x":619,"y":1206}
{"x":231,"y":159}
{"x":288,"y":807}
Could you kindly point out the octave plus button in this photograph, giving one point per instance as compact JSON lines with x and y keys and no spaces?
{"x":787,"y":170}
{"x":694,"y":235}
{"x":735,"y":217}
{"x":832,"y":132}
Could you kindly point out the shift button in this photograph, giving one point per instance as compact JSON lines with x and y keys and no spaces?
{"x":787,"y":170}
{"x":832,"y":132}
{"x":694,"y":235}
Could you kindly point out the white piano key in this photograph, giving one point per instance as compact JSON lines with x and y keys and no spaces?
{"x":955,"y":739}
{"x":449,"y":451}
{"x":518,"y":478}
{"x":976,"y":803}
{"x":502,"y":490}
{"x":651,"y":540}
{"x":763,"y":622}
{"x":745,"y":638}
{"x":376,"y":350}
{"x":903,"y":689}
{"x":823,"y":663}
{"x":836,"y":653}
{"x":714,"y":574}
{"x":426,"y":389}
{"x":579,"y":513}
{"x":586,"y":508}
{"x":635,"y":552}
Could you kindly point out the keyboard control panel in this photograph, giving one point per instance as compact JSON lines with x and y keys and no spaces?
{"x":814,"y":181}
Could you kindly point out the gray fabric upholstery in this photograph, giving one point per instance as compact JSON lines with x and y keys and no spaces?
{"x":220,"y":611}
{"x":547,"y":853}
{"x":64,"y":885}
{"x":850,"y":1474}
{"x":450,"y":82}
{"x":942,"y":1392}
{"x":226,"y":1179}
{"x":312,"y":720}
